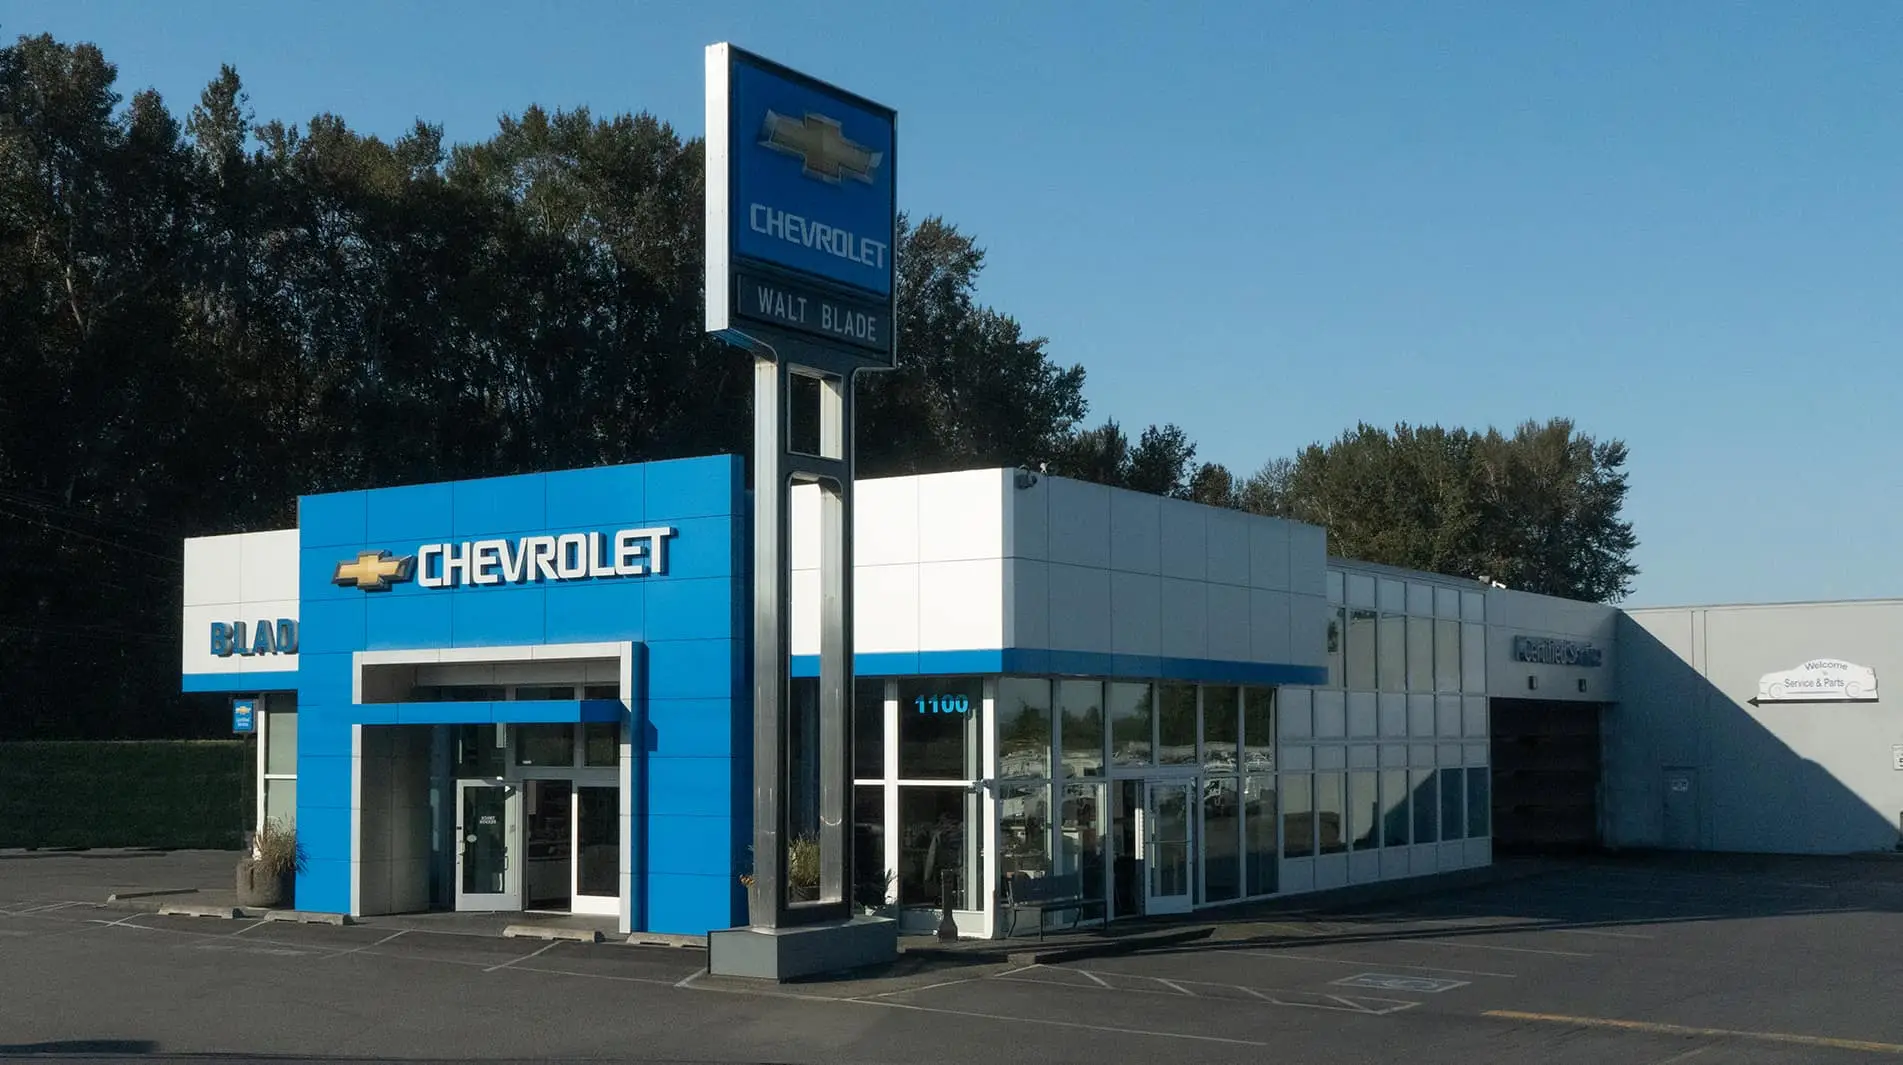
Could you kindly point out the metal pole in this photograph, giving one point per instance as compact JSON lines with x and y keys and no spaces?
{"x":768,"y":901}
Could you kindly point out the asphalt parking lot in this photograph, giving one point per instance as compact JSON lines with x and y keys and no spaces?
{"x":1713,"y":960}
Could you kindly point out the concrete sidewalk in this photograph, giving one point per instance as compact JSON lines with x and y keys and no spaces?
{"x":202,"y":883}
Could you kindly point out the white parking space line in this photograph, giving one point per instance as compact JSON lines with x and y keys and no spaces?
{"x":1362,"y":964}
{"x":1494,"y":946}
{"x":525,"y":957}
{"x":1152,"y":985}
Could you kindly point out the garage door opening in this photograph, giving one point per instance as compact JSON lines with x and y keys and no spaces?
{"x":1546,"y":771}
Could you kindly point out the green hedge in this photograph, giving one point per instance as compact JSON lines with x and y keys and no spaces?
{"x":135,"y":793}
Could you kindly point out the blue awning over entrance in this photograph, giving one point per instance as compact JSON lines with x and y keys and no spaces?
{"x":508,"y":712}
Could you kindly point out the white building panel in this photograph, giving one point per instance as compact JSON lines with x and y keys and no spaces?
{"x":1228,"y":625}
{"x":1027,"y":603}
{"x":1079,"y":520}
{"x":1269,"y":627}
{"x":1227,"y":536}
{"x":1080,"y":608}
{"x":1185,"y":539}
{"x":1308,"y":558}
{"x":1136,"y":532}
{"x":1185,"y":618}
{"x":1269,"y":554}
{"x":961,"y":516}
{"x":961,"y":605}
{"x":885,"y":521}
{"x":238,"y":578}
{"x":1136,"y":614}
{"x":885,"y":608}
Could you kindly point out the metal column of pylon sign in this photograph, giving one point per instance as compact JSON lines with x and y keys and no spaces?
{"x":801,"y":219}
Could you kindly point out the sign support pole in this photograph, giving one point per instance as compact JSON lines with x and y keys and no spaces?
{"x":801,"y":222}
{"x":778,"y":468}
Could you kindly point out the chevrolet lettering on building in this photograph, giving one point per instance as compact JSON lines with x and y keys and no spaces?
{"x":568,"y":557}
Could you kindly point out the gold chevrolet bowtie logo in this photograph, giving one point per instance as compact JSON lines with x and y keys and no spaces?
{"x":821,"y":146}
{"x":374,"y":571}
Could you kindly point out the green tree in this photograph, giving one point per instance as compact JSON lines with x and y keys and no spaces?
{"x":1539,"y":510}
{"x":1161,"y":461}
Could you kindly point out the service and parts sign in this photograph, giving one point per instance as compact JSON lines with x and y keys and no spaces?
{"x":1820,"y":680}
{"x":801,"y":209}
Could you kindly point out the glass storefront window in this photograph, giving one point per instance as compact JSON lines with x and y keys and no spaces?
{"x":1331,"y":835}
{"x":1391,"y":653}
{"x":1024,"y":828}
{"x":1222,"y":839}
{"x":1446,"y":656}
{"x":868,"y":844}
{"x":936,"y":835}
{"x":1080,"y":836}
{"x":1298,"y":815}
{"x":1473,"y":658}
{"x":1024,"y":727}
{"x":1359,"y":651}
{"x":1259,"y":816}
{"x":1426,"y":806}
{"x":479,"y":750}
{"x":868,"y":728}
{"x":1080,"y":707}
{"x":545,"y":745}
{"x":280,"y":736}
{"x":1222,"y":709}
{"x":941,"y":728}
{"x":601,"y":744}
{"x":280,"y":801}
{"x":1479,"y":804}
{"x":1420,"y":654}
{"x":1453,"y":793}
{"x":1395,"y":822}
{"x":1131,"y":712}
{"x":1337,"y":638}
{"x":1258,"y":730}
{"x":1364,"y":810}
{"x":532,"y":692}
{"x":1176,"y":724}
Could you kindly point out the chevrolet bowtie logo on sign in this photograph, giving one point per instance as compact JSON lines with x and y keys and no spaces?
{"x":374,"y":571}
{"x":822,"y":147}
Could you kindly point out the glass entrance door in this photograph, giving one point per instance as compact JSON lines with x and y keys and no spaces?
{"x":597,"y":850}
{"x":488,"y":869}
{"x":1168,"y":810}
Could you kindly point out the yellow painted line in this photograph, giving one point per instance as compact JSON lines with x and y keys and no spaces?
{"x":1676,"y":1029}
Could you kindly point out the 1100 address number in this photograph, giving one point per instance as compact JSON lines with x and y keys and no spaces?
{"x":944,"y":704}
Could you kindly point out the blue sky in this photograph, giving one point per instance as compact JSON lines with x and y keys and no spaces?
{"x":1679,"y":224}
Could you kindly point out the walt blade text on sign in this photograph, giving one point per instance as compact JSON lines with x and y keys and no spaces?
{"x":862,"y":325}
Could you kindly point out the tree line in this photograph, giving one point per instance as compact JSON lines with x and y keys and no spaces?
{"x":203,"y":316}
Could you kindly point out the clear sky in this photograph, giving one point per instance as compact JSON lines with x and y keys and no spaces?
{"x":1679,"y":224}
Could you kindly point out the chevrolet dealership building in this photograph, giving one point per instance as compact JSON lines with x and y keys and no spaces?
{"x":533,"y":693}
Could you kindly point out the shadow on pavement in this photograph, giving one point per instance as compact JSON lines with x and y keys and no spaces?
{"x":1608,"y":893}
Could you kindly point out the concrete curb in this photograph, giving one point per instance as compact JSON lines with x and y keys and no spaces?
{"x":531,"y":931}
{"x":664,"y":939}
{"x":1108,"y":948}
{"x":225,"y":913}
{"x":305,"y":917}
{"x":122,"y":896}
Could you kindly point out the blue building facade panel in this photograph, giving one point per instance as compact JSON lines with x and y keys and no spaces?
{"x":681,"y":610}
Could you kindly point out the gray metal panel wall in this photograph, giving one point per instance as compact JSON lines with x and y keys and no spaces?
{"x":1798,"y":778}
